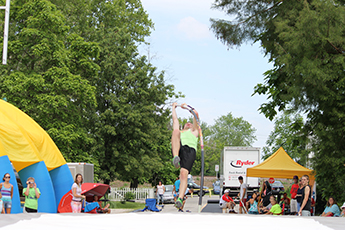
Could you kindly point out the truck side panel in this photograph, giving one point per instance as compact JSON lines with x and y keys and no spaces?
{"x":234,"y":162}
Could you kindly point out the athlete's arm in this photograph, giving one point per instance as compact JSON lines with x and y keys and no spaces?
{"x":176,"y":124}
{"x":195,"y":123}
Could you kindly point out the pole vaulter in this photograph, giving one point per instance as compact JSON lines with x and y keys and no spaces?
{"x":196,"y":117}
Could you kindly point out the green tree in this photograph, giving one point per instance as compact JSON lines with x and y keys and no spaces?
{"x":305,"y":42}
{"x":131,"y":119}
{"x":288,"y":133}
{"x":45,"y":75}
{"x":232,"y":131}
{"x":227,"y":131}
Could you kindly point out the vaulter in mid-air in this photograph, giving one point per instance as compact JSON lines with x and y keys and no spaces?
{"x":184,"y":145}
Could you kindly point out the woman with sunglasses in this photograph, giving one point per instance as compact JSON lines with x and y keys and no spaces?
{"x":6,"y":189}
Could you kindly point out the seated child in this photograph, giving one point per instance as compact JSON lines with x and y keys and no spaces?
{"x":100,"y":209}
{"x":276,"y":209}
{"x":266,"y":209}
{"x":253,"y":204}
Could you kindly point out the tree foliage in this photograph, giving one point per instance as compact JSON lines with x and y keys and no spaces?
{"x":288,"y":133}
{"x":46,"y":75}
{"x":226,"y":131}
{"x":131,"y":120}
{"x":75,"y":68}
{"x":305,"y":41}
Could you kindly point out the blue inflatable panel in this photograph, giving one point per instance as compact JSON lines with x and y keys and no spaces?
{"x":62,"y":181}
{"x":46,"y":202}
{"x":6,"y":167}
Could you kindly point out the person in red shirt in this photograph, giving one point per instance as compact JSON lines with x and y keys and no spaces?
{"x":293,"y":192}
{"x":227,"y":202}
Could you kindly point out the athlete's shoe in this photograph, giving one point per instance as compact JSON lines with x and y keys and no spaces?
{"x":178,"y":203}
{"x":180,"y":210}
{"x":176,"y":161}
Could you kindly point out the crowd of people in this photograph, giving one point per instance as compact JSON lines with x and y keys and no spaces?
{"x":32,"y":194}
{"x":264,"y":202}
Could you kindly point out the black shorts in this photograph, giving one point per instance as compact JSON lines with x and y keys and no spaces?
{"x":30,"y":210}
{"x":187,"y":157}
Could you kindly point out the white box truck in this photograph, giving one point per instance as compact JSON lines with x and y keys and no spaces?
{"x":84,"y":169}
{"x":234,"y":162}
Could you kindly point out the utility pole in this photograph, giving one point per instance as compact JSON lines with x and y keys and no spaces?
{"x":7,"y":22}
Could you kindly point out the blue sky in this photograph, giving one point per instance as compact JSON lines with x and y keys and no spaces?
{"x":214,"y":79}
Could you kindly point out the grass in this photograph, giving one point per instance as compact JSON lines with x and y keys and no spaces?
{"x":127,"y":205}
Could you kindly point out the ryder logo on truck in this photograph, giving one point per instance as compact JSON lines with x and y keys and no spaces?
{"x":239,"y":163}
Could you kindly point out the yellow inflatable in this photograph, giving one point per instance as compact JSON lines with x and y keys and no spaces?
{"x":33,"y":154}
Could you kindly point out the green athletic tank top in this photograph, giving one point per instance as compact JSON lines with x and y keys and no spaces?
{"x":188,"y":138}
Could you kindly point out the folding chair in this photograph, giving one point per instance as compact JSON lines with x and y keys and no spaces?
{"x":150,"y":204}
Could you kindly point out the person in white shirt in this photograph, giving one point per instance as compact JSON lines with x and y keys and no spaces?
{"x":159,"y":192}
{"x":242,"y":194}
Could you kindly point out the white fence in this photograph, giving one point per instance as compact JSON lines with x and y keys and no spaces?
{"x":139,"y":193}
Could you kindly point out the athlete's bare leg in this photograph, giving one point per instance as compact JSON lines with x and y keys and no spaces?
{"x":183,"y":182}
{"x":175,"y":138}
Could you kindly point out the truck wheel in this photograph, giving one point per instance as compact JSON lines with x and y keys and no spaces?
{"x":201,"y":192}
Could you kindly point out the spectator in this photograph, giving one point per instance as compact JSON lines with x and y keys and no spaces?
{"x":31,"y":193}
{"x":312,"y":206}
{"x":2,"y":209}
{"x":253,"y":204}
{"x":332,"y":208}
{"x":286,"y":204}
{"x":299,"y":195}
{"x":306,"y":197}
{"x":343,"y":210}
{"x":176,"y":188}
{"x":101,"y":209}
{"x":243,"y":193}
{"x":286,"y":199}
{"x":275,"y":209}
{"x":293,"y":192}
{"x":160,"y":192}
{"x":265,"y":209}
{"x":76,"y":192}
{"x":266,"y":192}
{"x":227,"y":202}
{"x":6,"y":189}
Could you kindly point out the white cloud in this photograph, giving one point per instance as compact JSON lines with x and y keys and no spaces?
{"x":193,"y":29}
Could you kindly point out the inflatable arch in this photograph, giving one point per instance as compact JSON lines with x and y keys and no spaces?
{"x":25,"y":146}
